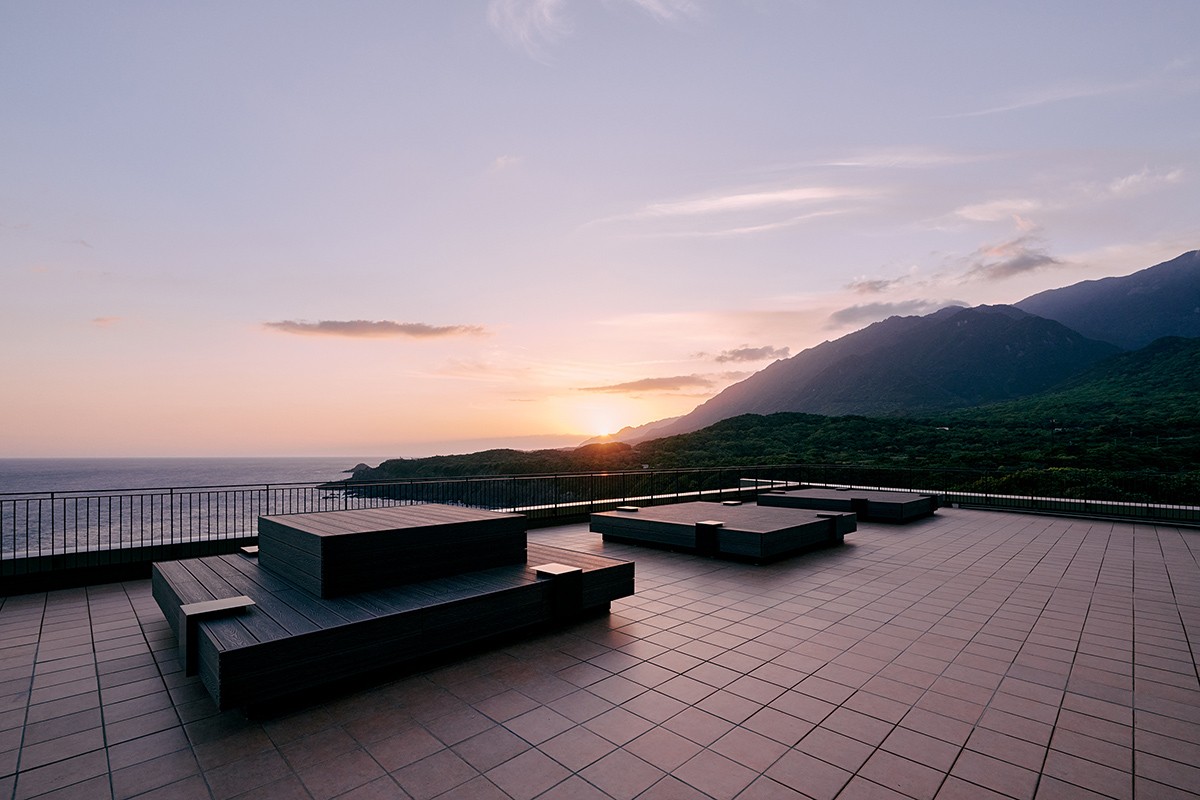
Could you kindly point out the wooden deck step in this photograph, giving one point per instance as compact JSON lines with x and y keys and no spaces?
{"x":752,"y":533}
{"x":292,"y":642}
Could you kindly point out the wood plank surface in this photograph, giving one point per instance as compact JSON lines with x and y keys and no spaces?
{"x":753,"y":532}
{"x":339,"y":552}
{"x":748,"y":518}
{"x":279,"y":611}
{"x":867,"y":504}
{"x":334,"y":611}
{"x":334,"y":523}
{"x":291,"y":641}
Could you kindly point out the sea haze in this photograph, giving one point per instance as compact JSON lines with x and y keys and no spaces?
{"x":86,"y":474}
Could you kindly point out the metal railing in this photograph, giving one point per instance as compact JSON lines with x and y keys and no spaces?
{"x":1168,"y":498}
{"x":55,"y":523}
{"x":59,"y":530}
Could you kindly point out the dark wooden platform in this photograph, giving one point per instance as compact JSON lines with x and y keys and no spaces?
{"x":291,"y":641}
{"x":873,"y":506}
{"x":335,"y":594}
{"x":337,"y":552}
{"x":736,"y":530}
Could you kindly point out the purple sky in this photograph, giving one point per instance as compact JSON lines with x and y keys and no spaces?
{"x":281,"y":228}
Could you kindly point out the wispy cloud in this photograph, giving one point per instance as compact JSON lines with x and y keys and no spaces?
{"x":531,"y":25}
{"x":666,"y":9}
{"x":742,"y":212}
{"x":873,"y":312}
{"x":745,"y":201}
{"x":707,"y":331}
{"x":1025,"y":253}
{"x":745,"y":230}
{"x":366,"y":329}
{"x":746,"y":353}
{"x":676,"y":383}
{"x":998,"y":210}
{"x":504,"y":162}
{"x":1051,"y":95}
{"x":1071,"y":197}
{"x":1143,"y":181}
{"x":903,"y":158}
{"x":535,"y":25}
{"x":105,"y":322}
{"x":484,"y":371}
{"x":874,"y":285}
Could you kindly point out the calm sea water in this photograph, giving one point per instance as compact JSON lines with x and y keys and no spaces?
{"x":83,"y":474}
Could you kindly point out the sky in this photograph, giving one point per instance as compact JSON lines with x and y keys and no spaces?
{"x":330,"y":228}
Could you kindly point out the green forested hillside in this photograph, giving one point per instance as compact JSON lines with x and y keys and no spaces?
{"x":1134,"y":411}
{"x":1138,"y":410}
{"x":1153,"y":390}
{"x":591,"y":458}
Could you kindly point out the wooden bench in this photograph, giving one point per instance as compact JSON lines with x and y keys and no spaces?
{"x":340,"y":552}
{"x":867,"y":505}
{"x":725,"y":530}
{"x":291,"y":640}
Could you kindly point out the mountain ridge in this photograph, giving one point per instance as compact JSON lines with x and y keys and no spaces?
{"x":910,"y":366}
{"x":1129,"y":311}
{"x":921,"y":364}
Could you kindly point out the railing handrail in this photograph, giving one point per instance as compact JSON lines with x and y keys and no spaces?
{"x":160,"y":489}
{"x":339,"y":484}
{"x":55,"y":529}
{"x":335,"y":485}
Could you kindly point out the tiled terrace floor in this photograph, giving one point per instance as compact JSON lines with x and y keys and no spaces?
{"x":971,"y":655}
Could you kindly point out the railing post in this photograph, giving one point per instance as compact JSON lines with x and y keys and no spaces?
{"x":52,"y":527}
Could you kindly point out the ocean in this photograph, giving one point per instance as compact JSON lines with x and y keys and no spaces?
{"x":87,"y":474}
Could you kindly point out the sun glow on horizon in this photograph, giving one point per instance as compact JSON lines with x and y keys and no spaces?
{"x":604,"y":416}
{"x":604,"y":425}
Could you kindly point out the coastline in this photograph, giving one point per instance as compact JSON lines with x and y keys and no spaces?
{"x":21,"y":475}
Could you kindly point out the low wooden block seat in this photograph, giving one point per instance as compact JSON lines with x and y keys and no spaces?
{"x":747,"y":532}
{"x":339,"y":552}
{"x":292,"y":641}
{"x":871,"y":506}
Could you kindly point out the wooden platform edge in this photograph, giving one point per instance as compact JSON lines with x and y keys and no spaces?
{"x":253,"y":673}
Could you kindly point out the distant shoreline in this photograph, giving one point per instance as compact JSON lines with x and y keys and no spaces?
{"x":19,"y":475}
